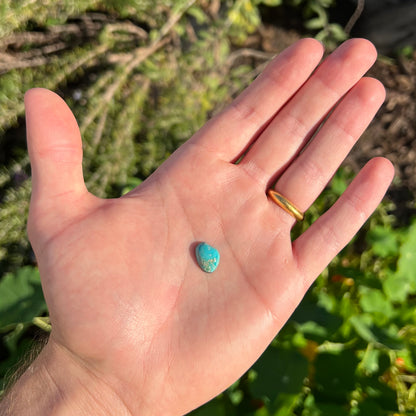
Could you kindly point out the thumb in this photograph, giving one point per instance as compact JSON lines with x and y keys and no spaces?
{"x":54,"y":144}
{"x":55,"y":151}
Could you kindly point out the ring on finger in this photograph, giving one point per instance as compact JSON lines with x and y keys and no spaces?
{"x":285,"y":204}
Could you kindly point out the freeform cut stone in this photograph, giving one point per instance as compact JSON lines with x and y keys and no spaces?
{"x":207,"y":257}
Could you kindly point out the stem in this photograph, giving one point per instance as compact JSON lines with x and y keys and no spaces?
{"x":355,"y":16}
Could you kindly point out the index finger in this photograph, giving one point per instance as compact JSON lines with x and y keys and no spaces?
{"x":233,"y":130}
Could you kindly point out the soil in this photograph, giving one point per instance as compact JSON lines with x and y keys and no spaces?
{"x":393,"y":131}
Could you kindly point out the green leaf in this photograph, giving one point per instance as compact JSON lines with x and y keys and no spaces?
{"x":21,"y":297}
{"x":280,"y":376}
{"x":337,"y":32}
{"x":285,"y":404}
{"x":313,"y":330}
{"x":406,"y":266}
{"x":272,"y":2}
{"x":263,"y":411}
{"x":9,"y":365}
{"x":326,"y":3}
{"x":213,"y":408}
{"x":309,"y":406}
{"x":331,"y":409}
{"x":383,"y":241}
{"x":335,"y":375}
{"x":375,"y":302}
{"x":396,"y":288}
{"x":375,"y":389}
{"x":369,"y":363}
{"x":299,"y":341}
{"x":11,"y":339}
{"x":198,"y":14}
{"x":316,"y":23}
{"x":314,"y":321}
{"x":370,"y":407}
{"x":339,"y":183}
{"x":387,"y":336}
{"x":131,"y":184}
{"x":362,"y":328}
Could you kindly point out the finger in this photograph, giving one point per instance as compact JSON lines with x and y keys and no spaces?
{"x":54,"y":144}
{"x":230,"y":132}
{"x":308,"y":175}
{"x":328,"y":235}
{"x":55,"y":152}
{"x":293,"y":126}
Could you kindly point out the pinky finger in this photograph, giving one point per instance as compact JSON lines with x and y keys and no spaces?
{"x":328,"y":235}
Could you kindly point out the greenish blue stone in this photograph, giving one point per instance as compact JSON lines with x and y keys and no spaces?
{"x":207,"y":257}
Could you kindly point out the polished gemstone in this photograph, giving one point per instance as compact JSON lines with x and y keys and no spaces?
{"x":207,"y":257}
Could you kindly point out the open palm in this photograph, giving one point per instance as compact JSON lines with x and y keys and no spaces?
{"x":128,"y":302}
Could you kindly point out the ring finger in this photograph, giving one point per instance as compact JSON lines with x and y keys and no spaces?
{"x":309,"y":173}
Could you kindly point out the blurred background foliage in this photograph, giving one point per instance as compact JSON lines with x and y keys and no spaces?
{"x":142,"y":77}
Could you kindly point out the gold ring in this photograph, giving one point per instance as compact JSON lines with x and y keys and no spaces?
{"x":284,"y":203}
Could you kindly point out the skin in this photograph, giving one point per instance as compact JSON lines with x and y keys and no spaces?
{"x":132,"y":313}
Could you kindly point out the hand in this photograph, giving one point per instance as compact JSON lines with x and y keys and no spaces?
{"x":130,"y":309}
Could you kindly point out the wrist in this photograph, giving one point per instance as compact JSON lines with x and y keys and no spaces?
{"x":56,"y":383}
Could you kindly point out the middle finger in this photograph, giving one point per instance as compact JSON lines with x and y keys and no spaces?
{"x":292,"y":127}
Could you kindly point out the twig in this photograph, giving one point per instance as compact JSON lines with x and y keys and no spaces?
{"x":408,"y":378}
{"x":11,"y":63}
{"x":137,"y":57}
{"x":43,"y":322}
{"x":100,"y":127}
{"x":355,"y":16}
{"x":32,"y":58}
{"x":248,"y":53}
{"x":43,"y":45}
{"x":128,"y":27}
{"x":79,"y":63}
{"x":54,"y":33}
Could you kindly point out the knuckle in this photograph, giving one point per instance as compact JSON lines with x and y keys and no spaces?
{"x":312,"y":173}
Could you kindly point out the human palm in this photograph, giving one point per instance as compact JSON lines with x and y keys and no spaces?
{"x":127,"y":299}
